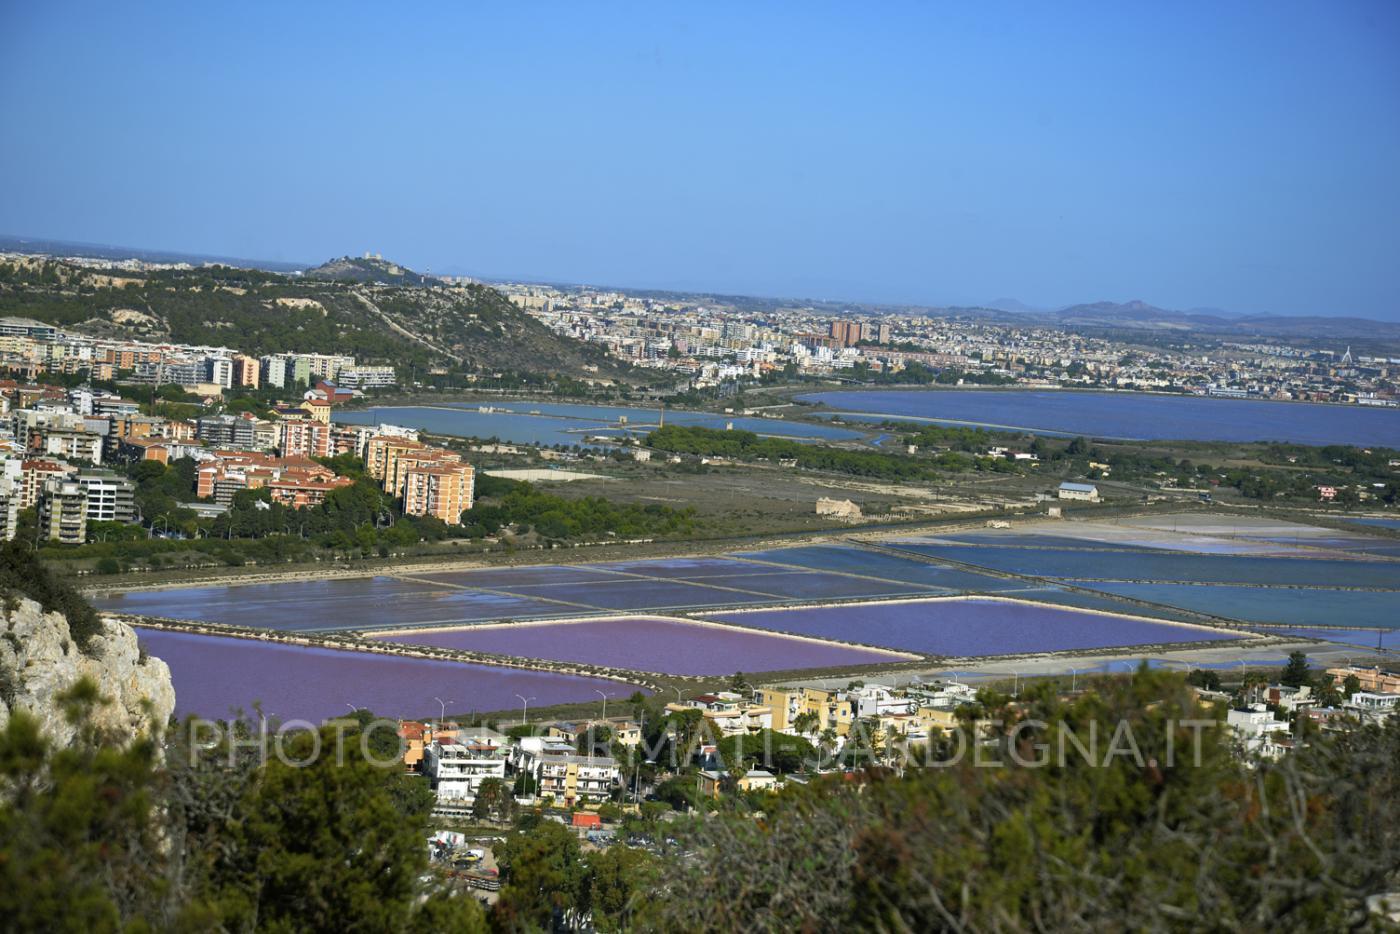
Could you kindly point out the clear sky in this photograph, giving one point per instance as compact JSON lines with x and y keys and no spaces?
{"x":1241,"y":155}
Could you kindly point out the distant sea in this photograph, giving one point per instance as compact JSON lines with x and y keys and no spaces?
{"x":1135,"y":416}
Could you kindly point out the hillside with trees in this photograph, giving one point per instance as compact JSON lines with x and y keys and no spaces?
{"x":432,"y":331}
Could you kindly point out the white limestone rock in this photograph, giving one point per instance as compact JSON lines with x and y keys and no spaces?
{"x":39,"y":661}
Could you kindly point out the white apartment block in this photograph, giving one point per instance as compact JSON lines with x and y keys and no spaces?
{"x":110,"y":498}
{"x":456,"y":770}
{"x":366,"y":377}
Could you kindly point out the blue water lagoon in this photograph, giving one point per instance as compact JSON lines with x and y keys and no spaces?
{"x":1139,"y":416}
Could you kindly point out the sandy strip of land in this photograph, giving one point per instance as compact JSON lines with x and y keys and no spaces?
{"x":1247,"y":653}
{"x":685,"y":621}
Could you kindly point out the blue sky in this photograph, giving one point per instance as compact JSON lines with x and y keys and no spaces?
{"x":1242,"y":155}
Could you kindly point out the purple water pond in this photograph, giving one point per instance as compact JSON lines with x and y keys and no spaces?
{"x":649,"y":644}
{"x":971,"y":627}
{"x":216,"y":674}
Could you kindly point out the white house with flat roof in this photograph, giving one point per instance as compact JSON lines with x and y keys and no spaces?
{"x":457,"y":769}
{"x":1087,"y":492}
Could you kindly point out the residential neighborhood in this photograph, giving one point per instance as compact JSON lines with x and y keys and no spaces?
{"x":67,"y":446}
{"x":695,"y":749}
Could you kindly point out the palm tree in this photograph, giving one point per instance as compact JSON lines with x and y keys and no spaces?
{"x":806,"y":723}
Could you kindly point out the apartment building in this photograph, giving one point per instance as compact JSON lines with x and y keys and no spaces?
{"x":1371,"y":679}
{"x":70,"y":445}
{"x":219,"y":371}
{"x":30,"y":423}
{"x":833,"y":712}
{"x":846,"y":333}
{"x":730,"y":714}
{"x":456,"y":768}
{"x":784,"y":705}
{"x":317,"y":410}
{"x":367,"y":377}
{"x":297,"y":490}
{"x":417,"y":460}
{"x":571,"y":779}
{"x":144,"y":449}
{"x":382,"y":454}
{"x":63,"y":512}
{"x":274,"y":371}
{"x":303,"y":437}
{"x":106,"y":405}
{"x":247,"y":371}
{"x":9,"y":516}
{"x":389,"y":460}
{"x":35,"y":475}
{"x":286,"y":370}
{"x":292,"y":481}
{"x":110,"y":498}
{"x":226,"y":431}
{"x":444,"y":492}
{"x":324,"y":366}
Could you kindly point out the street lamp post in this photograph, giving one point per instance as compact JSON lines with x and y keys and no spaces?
{"x":604,"y":695}
{"x":442,"y":709}
{"x":525,"y":708}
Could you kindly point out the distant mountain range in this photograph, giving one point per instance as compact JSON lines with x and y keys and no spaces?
{"x":1138,"y":315}
{"x":41,"y":246}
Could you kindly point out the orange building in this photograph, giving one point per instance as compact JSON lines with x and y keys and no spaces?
{"x":303,"y":437}
{"x":395,"y":482}
{"x":444,"y":492}
{"x":146,"y":449}
{"x":292,"y":481}
{"x":247,"y":371}
{"x":382,"y":453}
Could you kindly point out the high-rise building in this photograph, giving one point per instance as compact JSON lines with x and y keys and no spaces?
{"x":247,"y":371}
{"x":226,"y":431}
{"x":444,"y":492}
{"x":303,"y":437}
{"x":275,"y":370}
{"x":63,"y":512}
{"x":9,"y":516}
{"x":110,"y":498}
{"x":846,"y":333}
{"x":219,"y":371}
{"x":382,"y":454}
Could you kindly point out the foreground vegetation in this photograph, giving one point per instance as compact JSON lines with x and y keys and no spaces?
{"x":1138,"y":839}
{"x":1134,"y":834}
{"x":106,"y":837}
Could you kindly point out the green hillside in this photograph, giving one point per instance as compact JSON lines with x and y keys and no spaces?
{"x":468,"y":330}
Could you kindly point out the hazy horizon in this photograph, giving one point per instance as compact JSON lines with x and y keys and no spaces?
{"x":1237,"y":158}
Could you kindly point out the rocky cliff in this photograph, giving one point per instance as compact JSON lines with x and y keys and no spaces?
{"x":39,"y":661}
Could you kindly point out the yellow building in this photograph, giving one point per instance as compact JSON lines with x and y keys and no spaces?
{"x":318,"y":409}
{"x":382,"y":454}
{"x":832,"y":712}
